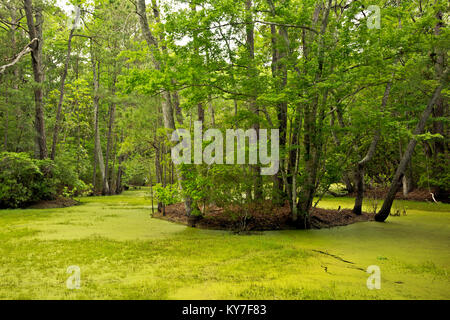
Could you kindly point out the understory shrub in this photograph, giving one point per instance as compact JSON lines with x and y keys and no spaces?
{"x":24,"y":180}
{"x":67,"y":180}
{"x":168,"y":194}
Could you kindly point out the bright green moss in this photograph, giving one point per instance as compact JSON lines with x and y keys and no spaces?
{"x":124,"y":254}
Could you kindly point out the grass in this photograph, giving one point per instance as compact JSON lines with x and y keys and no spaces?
{"x":124,"y":254}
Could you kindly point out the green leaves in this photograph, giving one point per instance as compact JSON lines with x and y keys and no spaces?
{"x":168,"y":194}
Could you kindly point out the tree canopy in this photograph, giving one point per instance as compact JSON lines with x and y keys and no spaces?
{"x":357,"y":89}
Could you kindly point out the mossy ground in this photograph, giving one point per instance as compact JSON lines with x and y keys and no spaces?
{"x":124,"y":254}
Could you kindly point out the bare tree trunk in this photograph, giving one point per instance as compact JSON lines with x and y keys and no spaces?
{"x":158,"y":171}
{"x":359,"y":172}
{"x":252,"y":72}
{"x":279,"y":73}
{"x":176,"y":104}
{"x":293,"y":186}
{"x":77,"y":108}
{"x":94,"y":173}
{"x":112,"y":110}
{"x":111,"y":180}
{"x":61,"y":95}
{"x":5,"y":136}
{"x":119,"y":187}
{"x":158,"y":166}
{"x":164,"y":184}
{"x":151,"y":190}
{"x":98,"y":154}
{"x":5,"y":141}
{"x":407,"y":178}
{"x":35,"y":32}
{"x":387,"y":204}
{"x":407,"y":183}
{"x":211,"y":109}
{"x":200,"y":112}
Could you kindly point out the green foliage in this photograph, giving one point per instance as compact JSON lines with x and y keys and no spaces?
{"x":24,"y":180}
{"x":168,"y":194}
{"x":67,"y":179}
{"x":136,"y":171}
{"x":323,"y":88}
{"x":436,"y":174}
{"x":195,"y":185}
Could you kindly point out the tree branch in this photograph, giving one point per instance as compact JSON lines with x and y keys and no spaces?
{"x":25,"y":50}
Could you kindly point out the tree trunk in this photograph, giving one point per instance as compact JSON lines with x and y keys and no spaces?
{"x":158,"y":171}
{"x":200,"y":112}
{"x":279,"y":73}
{"x":5,"y":136}
{"x":200,"y":108}
{"x":348,"y":183}
{"x":345,"y":175}
{"x":6,"y":129}
{"x":387,"y":204}
{"x":211,"y":109}
{"x":94,"y":173}
{"x":359,"y":172}
{"x":440,"y":111}
{"x":111,"y":181}
{"x":176,"y":104}
{"x":167,"y":109}
{"x":13,"y":12}
{"x":112,"y":110}
{"x":61,"y":95}
{"x":407,"y":183}
{"x":119,"y":187}
{"x":35,"y":32}
{"x":98,"y":154}
{"x":407,"y":177}
{"x":151,"y":190}
{"x":252,"y":72}
{"x":77,"y":108}
{"x":440,"y":105}
{"x":313,"y":135}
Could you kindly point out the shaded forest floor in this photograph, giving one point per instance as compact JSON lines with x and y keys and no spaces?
{"x":124,"y":254}
{"x":261,"y":217}
{"x":60,"y":202}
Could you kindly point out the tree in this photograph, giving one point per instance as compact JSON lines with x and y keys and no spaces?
{"x":35,"y":22}
{"x":359,"y":172}
{"x":152,"y":42}
{"x":389,"y":199}
{"x":61,"y":89}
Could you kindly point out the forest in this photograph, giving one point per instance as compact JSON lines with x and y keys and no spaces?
{"x":95,"y":94}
